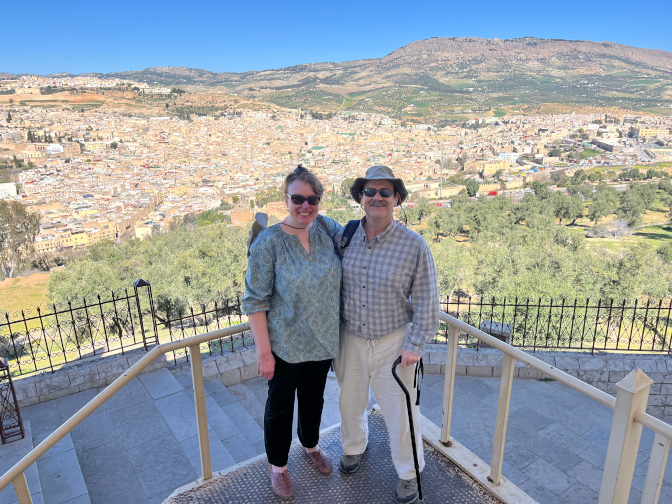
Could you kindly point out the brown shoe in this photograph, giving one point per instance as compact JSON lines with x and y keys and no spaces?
{"x":321,"y":459}
{"x":281,"y":484}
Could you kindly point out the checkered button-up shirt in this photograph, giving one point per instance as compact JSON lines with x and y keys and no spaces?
{"x":390,"y":282}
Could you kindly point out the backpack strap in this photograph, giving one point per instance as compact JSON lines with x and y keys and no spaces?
{"x":348,"y":233}
{"x":260,"y":223}
{"x":322,"y":223}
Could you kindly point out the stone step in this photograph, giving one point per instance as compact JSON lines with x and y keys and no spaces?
{"x":219,"y":392}
{"x":244,"y":422}
{"x":61,"y":475}
{"x":220,"y":458}
{"x":55,"y":479}
{"x":160,"y":383}
{"x":10,"y":454}
{"x":249,"y":401}
{"x":233,"y":436}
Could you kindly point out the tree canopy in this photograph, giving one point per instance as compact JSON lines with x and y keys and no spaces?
{"x":268,"y":196}
{"x":18,"y":229}
{"x":472,"y":187}
{"x":345,"y":187}
{"x":487,"y":247}
{"x":185,"y":267}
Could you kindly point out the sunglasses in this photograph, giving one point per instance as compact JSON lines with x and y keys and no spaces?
{"x":297,"y":199}
{"x":384,"y":193}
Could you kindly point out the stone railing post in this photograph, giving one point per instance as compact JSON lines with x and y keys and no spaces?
{"x":632,"y":395}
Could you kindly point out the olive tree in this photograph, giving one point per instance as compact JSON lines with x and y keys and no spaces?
{"x":18,"y":229}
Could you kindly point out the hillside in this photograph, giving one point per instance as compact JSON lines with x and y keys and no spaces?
{"x":443,"y":79}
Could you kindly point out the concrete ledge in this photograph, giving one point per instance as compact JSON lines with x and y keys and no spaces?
{"x":602,"y":370}
{"x":78,"y":376}
{"x":231,"y":367}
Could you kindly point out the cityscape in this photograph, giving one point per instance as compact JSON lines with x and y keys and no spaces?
{"x":96,"y":175}
{"x":139,"y":320}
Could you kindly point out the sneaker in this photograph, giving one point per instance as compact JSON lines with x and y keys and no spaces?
{"x":350,"y":463}
{"x":407,"y":491}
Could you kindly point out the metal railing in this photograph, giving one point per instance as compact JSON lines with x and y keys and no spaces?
{"x":629,"y":407}
{"x":578,"y":324}
{"x":202,"y":319}
{"x":11,"y":425}
{"x":629,"y":413}
{"x":16,"y":474}
{"x":46,"y":338}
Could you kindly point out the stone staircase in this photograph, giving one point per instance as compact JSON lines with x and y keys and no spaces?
{"x":129,"y":452}
{"x":143,"y":443}
{"x":55,"y":479}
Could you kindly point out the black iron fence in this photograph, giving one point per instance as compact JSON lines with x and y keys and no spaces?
{"x":11,"y":425}
{"x":49,"y":337}
{"x":205,"y":318}
{"x":46,"y":338}
{"x":577,"y":324}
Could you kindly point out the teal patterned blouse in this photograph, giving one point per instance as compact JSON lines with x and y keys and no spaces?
{"x":300,"y":292}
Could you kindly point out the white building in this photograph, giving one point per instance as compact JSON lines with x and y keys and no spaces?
{"x":7,"y":191}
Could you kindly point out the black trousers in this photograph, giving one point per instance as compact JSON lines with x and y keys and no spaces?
{"x":306,"y":381}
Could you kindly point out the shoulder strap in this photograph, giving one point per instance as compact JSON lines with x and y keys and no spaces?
{"x":260,"y":223}
{"x":322,"y":222}
{"x":348,"y":233}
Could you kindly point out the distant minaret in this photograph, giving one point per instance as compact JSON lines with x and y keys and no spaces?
{"x":327,"y":128}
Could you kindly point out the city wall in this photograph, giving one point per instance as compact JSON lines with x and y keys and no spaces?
{"x":602,"y":370}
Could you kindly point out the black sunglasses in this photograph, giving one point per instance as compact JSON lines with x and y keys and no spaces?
{"x":384,"y":193}
{"x":297,"y":199}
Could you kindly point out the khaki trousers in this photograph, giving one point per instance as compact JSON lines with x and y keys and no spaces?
{"x":361,"y":362}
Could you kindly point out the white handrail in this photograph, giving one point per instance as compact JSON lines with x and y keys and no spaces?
{"x":109,"y":391}
{"x":16,"y":473}
{"x":658,"y":426}
{"x":629,"y":417}
{"x":602,"y":397}
{"x":553,"y":372}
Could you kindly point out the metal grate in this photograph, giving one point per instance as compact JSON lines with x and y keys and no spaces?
{"x":373,"y":483}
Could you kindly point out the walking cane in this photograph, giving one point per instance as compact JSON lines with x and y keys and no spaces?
{"x":410,"y":417}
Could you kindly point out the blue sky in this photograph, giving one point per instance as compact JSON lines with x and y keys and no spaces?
{"x":239,"y":36}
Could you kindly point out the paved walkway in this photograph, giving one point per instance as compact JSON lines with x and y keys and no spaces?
{"x":142,"y":443}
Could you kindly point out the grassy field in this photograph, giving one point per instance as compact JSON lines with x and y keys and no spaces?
{"x":656,"y":235}
{"x":644,"y":82}
{"x":23,"y":292}
{"x":588,"y":153}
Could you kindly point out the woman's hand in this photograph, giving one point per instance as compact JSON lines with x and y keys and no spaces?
{"x":266,"y":365}
{"x":265,"y":359}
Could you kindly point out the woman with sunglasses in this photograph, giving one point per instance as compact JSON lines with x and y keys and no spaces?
{"x":292,"y":298}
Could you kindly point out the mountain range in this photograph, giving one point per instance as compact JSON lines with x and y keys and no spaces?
{"x":438,"y":78}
